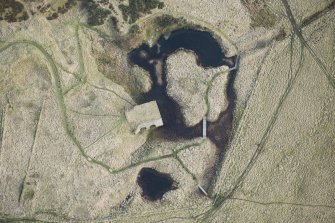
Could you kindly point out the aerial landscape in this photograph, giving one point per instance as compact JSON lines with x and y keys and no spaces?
{"x":167,"y":111}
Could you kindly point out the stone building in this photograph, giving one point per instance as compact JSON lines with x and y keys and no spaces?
{"x":144,"y":116}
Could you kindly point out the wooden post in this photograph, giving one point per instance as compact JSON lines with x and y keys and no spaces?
{"x":204,"y":127}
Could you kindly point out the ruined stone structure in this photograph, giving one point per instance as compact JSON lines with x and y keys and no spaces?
{"x":144,"y":116}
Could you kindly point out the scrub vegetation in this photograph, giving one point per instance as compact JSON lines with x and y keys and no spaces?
{"x":96,"y":14}
{"x":12,"y":11}
{"x":67,"y":155}
{"x":168,"y":20}
{"x":261,"y":16}
{"x":138,"y":8}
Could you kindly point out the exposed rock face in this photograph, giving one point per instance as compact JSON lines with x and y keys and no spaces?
{"x":190,"y":85}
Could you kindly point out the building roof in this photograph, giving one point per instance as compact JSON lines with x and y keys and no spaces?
{"x":144,"y":116}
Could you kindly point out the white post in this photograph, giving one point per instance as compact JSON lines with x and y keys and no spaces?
{"x":204,"y":127}
{"x":236,"y":63}
{"x":202,"y":190}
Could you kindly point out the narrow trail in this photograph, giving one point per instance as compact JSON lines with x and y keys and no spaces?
{"x":208,"y":88}
{"x":32,"y":151}
{"x":267,"y":203}
{"x":2,"y":126}
{"x":63,"y":108}
{"x":298,"y":33}
{"x":97,"y":115}
{"x":220,"y":199}
{"x":68,"y":130}
{"x":310,"y":19}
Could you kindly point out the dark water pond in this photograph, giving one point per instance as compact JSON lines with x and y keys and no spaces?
{"x":154,"y":184}
{"x":209,"y":54}
{"x":207,"y":49}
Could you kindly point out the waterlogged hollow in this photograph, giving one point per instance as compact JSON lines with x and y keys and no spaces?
{"x":209,"y":54}
{"x":154,"y":184}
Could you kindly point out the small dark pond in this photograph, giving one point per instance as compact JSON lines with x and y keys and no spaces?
{"x":153,"y":59}
{"x":154,"y":184}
